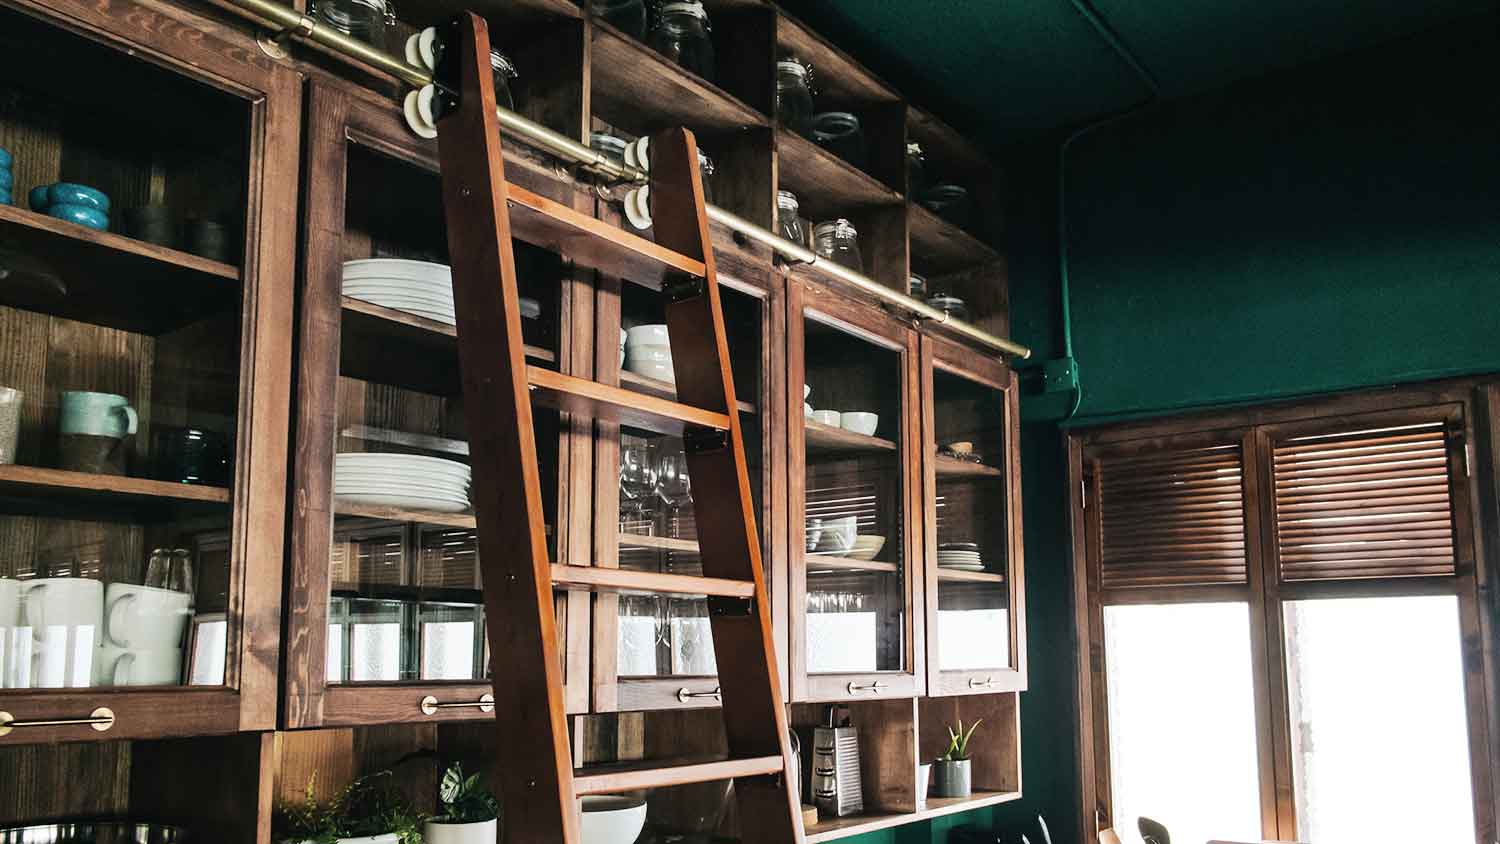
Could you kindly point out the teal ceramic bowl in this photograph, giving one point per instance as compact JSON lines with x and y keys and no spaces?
{"x":36,"y":200}
{"x":5,"y":198}
{"x":83,"y":215}
{"x":5,"y":158}
{"x":70,"y":193}
{"x":7,"y":179}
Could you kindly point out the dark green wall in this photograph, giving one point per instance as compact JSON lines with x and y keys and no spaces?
{"x":1311,"y":231}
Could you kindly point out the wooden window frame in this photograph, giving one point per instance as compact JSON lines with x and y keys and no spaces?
{"x":1470,"y":410}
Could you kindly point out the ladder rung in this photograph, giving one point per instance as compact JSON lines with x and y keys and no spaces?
{"x":654,"y":775}
{"x":601,"y":401}
{"x":591,"y":242}
{"x":625,"y":580}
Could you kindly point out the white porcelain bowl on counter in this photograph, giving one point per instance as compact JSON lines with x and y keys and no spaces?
{"x":612,"y":820}
{"x":859,"y":422}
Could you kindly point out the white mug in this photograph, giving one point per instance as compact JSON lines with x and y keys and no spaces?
{"x":827,"y":417}
{"x":145,"y":617}
{"x":63,"y":615}
{"x":129,"y":667}
{"x":15,"y":640}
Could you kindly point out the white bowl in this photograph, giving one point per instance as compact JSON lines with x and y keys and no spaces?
{"x":654,"y":335}
{"x":661,"y":371}
{"x":859,"y":422}
{"x":866,"y":547}
{"x":807,"y":409}
{"x":806,"y":390}
{"x":838,"y":534}
{"x":826,"y":417}
{"x":662,"y":354}
{"x":612,"y":820}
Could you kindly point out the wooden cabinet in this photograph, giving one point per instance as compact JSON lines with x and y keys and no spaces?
{"x":384,"y":611}
{"x":975,"y":581}
{"x":150,"y":378}
{"x":856,"y":570}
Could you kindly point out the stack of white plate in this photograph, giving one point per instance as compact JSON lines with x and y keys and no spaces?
{"x":960,"y":555}
{"x":416,"y":287}
{"x":410,"y":481}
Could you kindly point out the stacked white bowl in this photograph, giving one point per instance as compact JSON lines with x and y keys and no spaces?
{"x":422,"y":288}
{"x":648,"y":352}
{"x":410,"y":481}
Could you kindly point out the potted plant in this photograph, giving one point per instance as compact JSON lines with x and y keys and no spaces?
{"x":470,"y":813}
{"x":951,"y":776}
{"x":368,"y":811}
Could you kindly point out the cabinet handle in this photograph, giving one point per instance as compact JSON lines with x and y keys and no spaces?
{"x":856,"y":688}
{"x":100,"y":719}
{"x":486,"y":703}
{"x":981,"y":684}
{"x":683,"y":695}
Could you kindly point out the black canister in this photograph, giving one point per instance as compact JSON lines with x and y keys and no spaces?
{"x":209,"y":239}
{"x":192,"y":456}
{"x":839,"y":132}
{"x":153,"y":223}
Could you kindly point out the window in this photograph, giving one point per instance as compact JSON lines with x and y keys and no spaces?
{"x":1274,"y":602}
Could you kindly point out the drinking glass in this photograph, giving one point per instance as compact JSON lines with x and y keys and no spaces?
{"x":170,"y":569}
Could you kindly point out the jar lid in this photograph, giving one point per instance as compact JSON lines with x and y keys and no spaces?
{"x":793,"y":66}
{"x":502,"y":65}
{"x":913,"y":148}
{"x":786,"y":199}
{"x":607,"y":144}
{"x":945,"y":192}
{"x":692,"y":7}
{"x":840,"y":228}
{"x":836,"y":121}
{"x":944,"y":302}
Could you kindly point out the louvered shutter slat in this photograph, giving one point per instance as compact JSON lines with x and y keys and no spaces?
{"x":1364,"y":504}
{"x":1172,"y":518}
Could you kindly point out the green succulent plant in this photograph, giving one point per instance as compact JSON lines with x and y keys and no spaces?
{"x":958,"y":742}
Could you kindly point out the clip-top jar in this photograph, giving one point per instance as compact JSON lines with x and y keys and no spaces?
{"x":365,"y":20}
{"x":839,"y":133}
{"x":794,"y":102}
{"x":838,"y":241}
{"x":504,"y":71}
{"x":682,"y":36}
{"x":788,"y":224}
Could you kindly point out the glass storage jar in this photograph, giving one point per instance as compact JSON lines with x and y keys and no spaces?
{"x":788,"y":224}
{"x":706,"y":175}
{"x":365,"y":20}
{"x":682,"y":36}
{"x":949,"y":304}
{"x":628,"y":16}
{"x":951,"y":202}
{"x":504,"y":71}
{"x":794,"y":102}
{"x":838,"y":241}
{"x":916,"y":169}
{"x":839,"y":132}
{"x":916,"y":287}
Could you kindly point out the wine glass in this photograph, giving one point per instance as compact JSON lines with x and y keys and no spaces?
{"x":638,"y":479}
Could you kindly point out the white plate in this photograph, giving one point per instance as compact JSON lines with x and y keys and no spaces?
{"x":963,"y":566}
{"x":959,"y":559}
{"x":408,"y":502}
{"x":437,"y":490}
{"x":422,"y":271}
{"x":380,"y":461}
{"x":448,"y":317}
{"x":398,"y":299}
{"x":396,"y":292}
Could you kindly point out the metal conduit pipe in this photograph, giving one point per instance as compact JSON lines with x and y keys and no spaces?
{"x":288,"y":22}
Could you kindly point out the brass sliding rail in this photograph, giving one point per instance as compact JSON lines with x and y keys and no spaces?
{"x":287,"y":22}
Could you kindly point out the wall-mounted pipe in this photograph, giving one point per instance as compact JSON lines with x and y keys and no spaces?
{"x":289,"y":23}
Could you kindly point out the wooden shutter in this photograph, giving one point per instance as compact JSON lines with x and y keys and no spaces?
{"x":1172,"y":518}
{"x":1363,"y":504}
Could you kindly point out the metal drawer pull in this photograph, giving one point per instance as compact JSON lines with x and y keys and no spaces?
{"x":486,"y":703}
{"x":100,"y":719}
{"x":981,"y":684}
{"x":855,"y":688}
{"x":683,"y":695}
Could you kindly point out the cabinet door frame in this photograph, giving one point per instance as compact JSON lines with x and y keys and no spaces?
{"x":191,"y":46}
{"x":807,"y":299}
{"x":336,"y":120}
{"x":745,"y":274}
{"x":963,"y":362}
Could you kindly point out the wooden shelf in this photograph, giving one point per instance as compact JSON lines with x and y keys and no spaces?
{"x":825,"y":184}
{"x":827,"y":562}
{"x":952,"y":467}
{"x":402,"y":514}
{"x":938,"y":246}
{"x":601,"y":401}
{"x":435,"y":12}
{"x":37,"y":490}
{"x":71,"y":271}
{"x":835,"y":828}
{"x":639,"y":89}
{"x":406,"y":439}
{"x":825,"y":439}
{"x":660,"y":543}
{"x":661,"y":389}
{"x":969,"y":576}
{"x":600,"y":579}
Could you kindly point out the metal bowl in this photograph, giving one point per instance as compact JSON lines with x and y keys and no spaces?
{"x":93,"y":832}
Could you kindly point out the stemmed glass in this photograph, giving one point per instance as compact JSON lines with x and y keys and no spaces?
{"x":638,"y":480}
{"x":673,"y":485}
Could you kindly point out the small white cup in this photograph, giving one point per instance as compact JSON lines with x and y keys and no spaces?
{"x":860,"y":422}
{"x":130,"y":667}
{"x":827,"y":417}
{"x":647,"y":335}
{"x":145,"y":617}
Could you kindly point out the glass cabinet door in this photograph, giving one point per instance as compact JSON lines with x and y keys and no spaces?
{"x":851,"y":509}
{"x":662,"y":646}
{"x":392,"y":592}
{"x":138,"y":369}
{"x":974,"y":623}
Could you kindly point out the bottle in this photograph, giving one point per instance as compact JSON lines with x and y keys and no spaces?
{"x":682,"y":36}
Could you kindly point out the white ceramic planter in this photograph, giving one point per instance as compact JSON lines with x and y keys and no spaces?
{"x":483,"y":832}
{"x":386,"y":838}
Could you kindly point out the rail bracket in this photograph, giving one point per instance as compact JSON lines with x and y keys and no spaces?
{"x":680,"y":286}
{"x":720,"y":606}
{"x":699,"y":440}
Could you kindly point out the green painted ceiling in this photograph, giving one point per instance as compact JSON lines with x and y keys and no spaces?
{"x":1007,"y":68}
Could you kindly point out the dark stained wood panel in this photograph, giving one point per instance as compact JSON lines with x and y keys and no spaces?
{"x":824,"y":183}
{"x":938,"y":246}
{"x":636,"y":87}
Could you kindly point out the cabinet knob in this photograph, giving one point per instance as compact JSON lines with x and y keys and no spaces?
{"x":100,"y":719}
{"x":683,"y":695}
{"x":486,"y":703}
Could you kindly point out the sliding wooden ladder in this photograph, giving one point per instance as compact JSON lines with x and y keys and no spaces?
{"x":539,"y":787}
